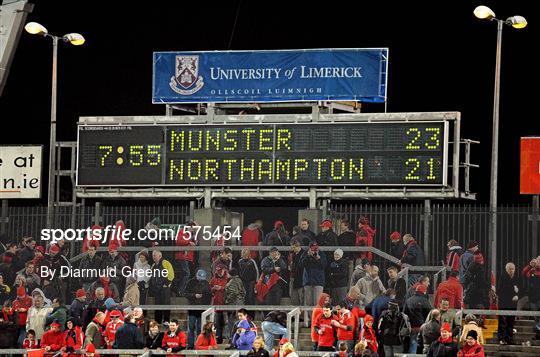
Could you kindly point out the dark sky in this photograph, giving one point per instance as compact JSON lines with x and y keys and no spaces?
{"x":441,"y":59}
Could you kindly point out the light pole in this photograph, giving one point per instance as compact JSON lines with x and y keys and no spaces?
{"x":518,"y":22}
{"x":75,"y":39}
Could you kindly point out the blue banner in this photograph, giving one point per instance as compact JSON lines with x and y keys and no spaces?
{"x":270,"y":76}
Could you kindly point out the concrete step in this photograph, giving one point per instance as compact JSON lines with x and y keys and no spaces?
{"x":512,"y":348}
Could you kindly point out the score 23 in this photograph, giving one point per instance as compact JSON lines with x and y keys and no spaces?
{"x":432,"y":143}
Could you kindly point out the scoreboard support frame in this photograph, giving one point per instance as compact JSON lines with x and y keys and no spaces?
{"x":206,"y":195}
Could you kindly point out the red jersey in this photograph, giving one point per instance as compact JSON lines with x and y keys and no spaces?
{"x":204,"y":343}
{"x":218,"y":295}
{"x":323,"y":326}
{"x":22,"y":304}
{"x":110,"y":331}
{"x":349,"y":321}
{"x":55,"y":340}
{"x":183,"y":240}
{"x":27,"y":344}
{"x":176,"y":341}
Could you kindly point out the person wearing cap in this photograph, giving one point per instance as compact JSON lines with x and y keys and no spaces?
{"x":417,"y":308}
{"x":112,"y":327}
{"x":89,"y":262}
{"x":314,"y":263}
{"x":472,"y":347}
{"x":53,"y":340}
{"x":471,"y":324}
{"x":21,"y":305}
{"x":143,"y":280}
{"x":476,"y":285}
{"x":327,"y":237}
{"x":286,"y":350}
{"x":259,"y":348}
{"x":393,"y":327}
{"x":338,"y":274}
{"x":278,"y":237}
{"x":59,"y":313}
{"x":444,"y":346}
{"x":396,"y":245}
{"x":467,"y":258}
{"x":368,"y":334}
{"x":274,"y":325}
{"x":90,"y":351}
{"x":73,"y":337}
{"x":198,"y":293}
{"x":39,"y":255}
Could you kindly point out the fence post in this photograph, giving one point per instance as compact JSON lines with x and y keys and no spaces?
{"x":4,"y":219}
{"x":427,"y":225}
{"x":97,"y":213}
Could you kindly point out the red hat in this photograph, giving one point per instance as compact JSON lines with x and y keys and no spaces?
{"x":80,"y":293}
{"x":368,"y":318}
{"x":55,"y":324}
{"x":283,"y":341}
{"x":90,"y":348}
{"x":446,"y":327}
{"x":40,"y":249}
{"x":54,"y":248}
{"x":115,"y":313}
{"x":326,"y":223}
{"x":21,"y":291}
{"x":421,"y":288}
{"x":395,"y":236}
{"x":478,"y":258}
{"x":278,"y":224}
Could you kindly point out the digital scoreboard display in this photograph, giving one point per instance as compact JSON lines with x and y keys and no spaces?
{"x":246,"y":154}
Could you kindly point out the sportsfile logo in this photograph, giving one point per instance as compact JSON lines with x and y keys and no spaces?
{"x":186,"y":232}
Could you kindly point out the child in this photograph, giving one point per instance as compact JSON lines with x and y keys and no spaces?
{"x":342,"y":350}
{"x":30,"y":340}
{"x":368,"y":334}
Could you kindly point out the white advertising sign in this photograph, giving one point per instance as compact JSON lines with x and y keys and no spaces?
{"x":20,"y":171}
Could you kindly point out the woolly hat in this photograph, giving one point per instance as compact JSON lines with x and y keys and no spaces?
{"x":283,"y":341}
{"x":80,"y":293}
{"x":473,"y":334}
{"x":421,"y":288}
{"x":395,"y":236}
{"x":446,"y":327}
{"x":115,"y":313}
{"x":326,"y":223}
{"x":54,"y":248}
{"x":201,"y":275}
{"x":278,"y":224}
{"x":40,"y":249}
{"x":55,"y":323}
{"x":90,"y":348}
{"x":339,"y":252}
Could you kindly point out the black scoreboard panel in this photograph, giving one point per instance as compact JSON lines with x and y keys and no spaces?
{"x":366,"y":153}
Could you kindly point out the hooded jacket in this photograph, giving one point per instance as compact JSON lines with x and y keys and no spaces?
{"x":452,"y":290}
{"x":53,"y":339}
{"x":59,"y":313}
{"x":73,"y":339}
{"x":475,"y":350}
{"x":252,"y":236}
{"x":37,"y":315}
{"x":317,"y":311}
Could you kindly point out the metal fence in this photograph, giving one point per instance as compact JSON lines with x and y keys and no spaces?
{"x":449,"y":221}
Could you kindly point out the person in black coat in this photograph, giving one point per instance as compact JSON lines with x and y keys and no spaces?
{"x":509,"y":288}
{"x":154,"y":337}
{"x":128,"y":336}
{"x":248,"y":273}
{"x":347,"y":238}
{"x":476,"y":284}
{"x":338,"y":276}
{"x":297,"y":272}
{"x":258,"y":349}
{"x":198,"y":293}
{"x":444,"y":346}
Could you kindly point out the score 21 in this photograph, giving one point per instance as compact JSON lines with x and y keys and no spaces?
{"x":426,"y":139}
{"x":133,"y":155}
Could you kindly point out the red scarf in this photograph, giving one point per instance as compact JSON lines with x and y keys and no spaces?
{"x":445,"y":340}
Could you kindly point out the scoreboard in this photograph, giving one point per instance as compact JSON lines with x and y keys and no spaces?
{"x":398,"y":153}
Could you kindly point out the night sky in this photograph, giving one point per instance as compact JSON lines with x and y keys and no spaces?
{"x":441,"y":59}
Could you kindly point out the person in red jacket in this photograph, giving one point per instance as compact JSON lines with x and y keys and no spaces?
{"x":472,"y":348}
{"x":21,"y":305}
{"x":53,"y":340}
{"x":324,"y":326}
{"x":454,"y":253}
{"x":207,"y":339}
{"x":368,"y":334}
{"x":175,"y":340}
{"x":252,"y":236}
{"x":452,"y":290}
{"x":317,"y":311}
{"x":73,"y":338}
{"x":346,"y":325}
{"x":91,"y":240}
{"x":112,"y":327}
{"x":184,"y":259}
{"x":364,"y":238}
{"x":30,"y":342}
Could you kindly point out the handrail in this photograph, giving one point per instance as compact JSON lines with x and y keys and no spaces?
{"x":139,"y":352}
{"x":436,"y":277}
{"x":296,"y":314}
{"x":208,"y":312}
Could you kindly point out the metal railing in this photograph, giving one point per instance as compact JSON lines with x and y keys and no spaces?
{"x":293,"y":314}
